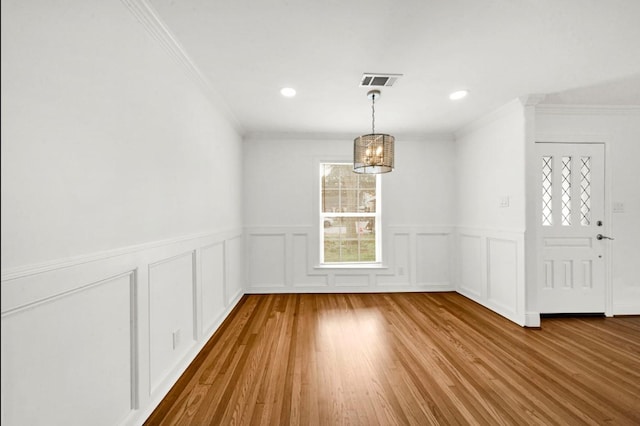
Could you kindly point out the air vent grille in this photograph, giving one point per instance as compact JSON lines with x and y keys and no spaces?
{"x":378,"y":80}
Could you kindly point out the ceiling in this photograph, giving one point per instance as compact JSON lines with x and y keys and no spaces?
{"x":577,"y":51}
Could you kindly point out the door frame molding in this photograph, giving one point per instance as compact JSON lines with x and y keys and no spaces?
{"x":583,"y":138}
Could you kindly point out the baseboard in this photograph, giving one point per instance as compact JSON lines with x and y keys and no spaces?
{"x":626,"y":309}
{"x":532,"y":319}
{"x":350,"y":289}
{"x":511,"y":316}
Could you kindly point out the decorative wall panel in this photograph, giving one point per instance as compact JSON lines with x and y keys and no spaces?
{"x":266,"y":259}
{"x":301,"y":264}
{"x":60,"y":352}
{"x":351,"y":280}
{"x":502,"y":273}
{"x":470,"y":265}
{"x":433,"y":258}
{"x":102,"y":338}
{"x":234,"y":267}
{"x":402,"y":261}
{"x":286,"y":259}
{"x":490,"y":265}
{"x":213,"y":283}
{"x":171,"y":313}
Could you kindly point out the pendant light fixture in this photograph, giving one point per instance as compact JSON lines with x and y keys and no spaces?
{"x":373,"y":153}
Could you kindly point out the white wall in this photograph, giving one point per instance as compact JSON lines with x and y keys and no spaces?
{"x":121,"y":213}
{"x":104,"y":133}
{"x":490,"y":156}
{"x":280,"y":212}
{"x":619,"y":129}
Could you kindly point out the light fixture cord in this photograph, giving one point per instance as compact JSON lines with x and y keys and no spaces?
{"x":373,"y":114}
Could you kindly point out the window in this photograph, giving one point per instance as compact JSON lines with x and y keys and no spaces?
{"x":349,"y":215}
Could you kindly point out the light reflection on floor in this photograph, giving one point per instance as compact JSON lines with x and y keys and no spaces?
{"x":358,"y":337}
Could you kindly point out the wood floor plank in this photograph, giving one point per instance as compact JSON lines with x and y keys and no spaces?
{"x":405,"y":359}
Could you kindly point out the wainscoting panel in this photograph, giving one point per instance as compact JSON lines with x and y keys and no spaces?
{"x":471,"y":268}
{"x":100,"y":339}
{"x":171,"y":314}
{"x":491,"y":270}
{"x":212,"y":278}
{"x":401,"y":252}
{"x":266,"y":259}
{"x":234,"y":268}
{"x":351,"y":280}
{"x":502,"y":273}
{"x":286,"y":259}
{"x":301,"y":266}
{"x":72,"y":347}
{"x":433,"y":257}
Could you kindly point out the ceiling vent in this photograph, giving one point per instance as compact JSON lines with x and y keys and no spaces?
{"x":378,"y":80}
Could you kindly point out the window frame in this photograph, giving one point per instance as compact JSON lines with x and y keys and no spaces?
{"x":377,"y":216}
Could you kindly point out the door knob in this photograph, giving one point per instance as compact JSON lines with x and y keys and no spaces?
{"x":603,"y":237}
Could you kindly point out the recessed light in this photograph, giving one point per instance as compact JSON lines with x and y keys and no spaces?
{"x":458,"y":95}
{"x":288,"y":92}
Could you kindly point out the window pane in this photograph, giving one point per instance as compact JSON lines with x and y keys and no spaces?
{"x":346,"y":192}
{"x":367,"y":182}
{"x":585,"y":191}
{"x":547,"y":190}
{"x":566,"y":191}
{"x":350,"y":239}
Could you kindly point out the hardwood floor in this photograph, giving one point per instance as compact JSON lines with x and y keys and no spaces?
{"x":406,"y":359}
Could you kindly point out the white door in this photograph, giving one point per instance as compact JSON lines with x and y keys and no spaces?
{"x":572,"y":230}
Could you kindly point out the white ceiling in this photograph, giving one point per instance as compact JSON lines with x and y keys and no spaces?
{"x":578,"y":51}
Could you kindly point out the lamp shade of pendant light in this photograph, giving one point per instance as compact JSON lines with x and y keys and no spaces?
{"x":373,"y":153}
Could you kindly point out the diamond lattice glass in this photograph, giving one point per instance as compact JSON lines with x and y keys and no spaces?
{"x":585,"y":191}
{"x":547,"y":188}
{"x":566,"y":191}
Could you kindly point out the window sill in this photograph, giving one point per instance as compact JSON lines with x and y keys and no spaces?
{"x":351,"y":266}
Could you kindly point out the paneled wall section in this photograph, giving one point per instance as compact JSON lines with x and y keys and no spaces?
{"x":490,"y":266}
{"x":285,"y":259}
{"x":118,"y":328}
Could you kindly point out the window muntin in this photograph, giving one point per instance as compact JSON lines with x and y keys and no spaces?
{"x":349,"y":215}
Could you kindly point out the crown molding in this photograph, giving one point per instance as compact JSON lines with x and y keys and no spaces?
{"x":563,"y":109}
{"x":147,"y":16}
{"x":319,"y":136}
{"x":532,"y":99}
{"x":296,"y":136}
{"x":573,"y":137}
